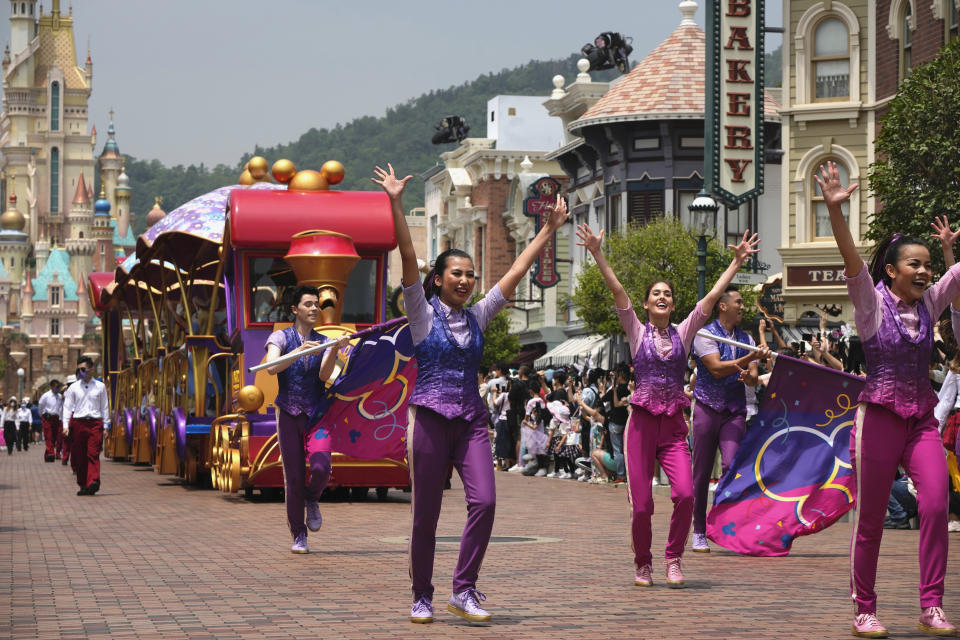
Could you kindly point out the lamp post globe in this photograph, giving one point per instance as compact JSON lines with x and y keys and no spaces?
{"x":703,"y":216}
{"x":20,"y":375}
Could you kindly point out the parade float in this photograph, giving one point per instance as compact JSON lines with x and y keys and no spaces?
{"x":185,"y":317}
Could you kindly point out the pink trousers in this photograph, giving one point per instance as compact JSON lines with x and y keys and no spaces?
{"x":662,"y":438}
{"x":879,"y":442}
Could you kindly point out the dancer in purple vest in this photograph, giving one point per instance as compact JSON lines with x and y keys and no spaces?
{"x":447,"y":422}
{"x":720,"y":413}
{"x":301,"y":385}
{"x":656,"y":430}
{"x":894,"y":312}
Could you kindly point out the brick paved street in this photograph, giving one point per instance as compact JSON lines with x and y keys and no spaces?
{"x":149,"y":558}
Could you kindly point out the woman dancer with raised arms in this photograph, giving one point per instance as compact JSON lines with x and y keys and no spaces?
{"x":656,"y":430}
{"x":894,"y":311}
{"x":447,"y":420}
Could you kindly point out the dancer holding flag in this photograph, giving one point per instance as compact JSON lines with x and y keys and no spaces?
{"x":720,"y":414}
{"x":301,"y":387}
{"x":894,"y":311}
{"x":656,"y":430}
{"x":447,"y":420}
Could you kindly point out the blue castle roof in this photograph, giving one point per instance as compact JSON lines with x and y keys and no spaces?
{"x":58,"y":263}
{"x":127,"y":241}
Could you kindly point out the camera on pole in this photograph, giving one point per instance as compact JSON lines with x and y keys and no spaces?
{"x":609,"y":50}
{"x":450,"y":129}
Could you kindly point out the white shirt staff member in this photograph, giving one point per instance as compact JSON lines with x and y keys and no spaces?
{"x":86,"y":411}
{"x":50,"y":407}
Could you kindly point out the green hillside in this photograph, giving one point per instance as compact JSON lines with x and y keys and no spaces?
{"x":401,"y":136}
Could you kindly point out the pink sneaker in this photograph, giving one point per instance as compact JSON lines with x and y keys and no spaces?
{"x":866,"y":625}
{"x":643,"y":578}
{"x":933,"y":621}
{"x":674,"y":574}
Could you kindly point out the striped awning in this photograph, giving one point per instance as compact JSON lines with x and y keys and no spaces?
{"x":574,"y":350}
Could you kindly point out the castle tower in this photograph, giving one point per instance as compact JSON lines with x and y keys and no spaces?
{"x":14,"y":245}
{"x":83,"y":303}
{"x":156,"y":214}
{"x":110,"y":165}
{"x":80,"y":244}
{"x":23,"y":24}
{"x":123,"y":201}
{"x":102,"y":233}
{"x":26,"y":306}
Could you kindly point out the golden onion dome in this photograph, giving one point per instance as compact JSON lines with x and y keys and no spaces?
{"x":12,"y":220}
{"x":156,"y":214}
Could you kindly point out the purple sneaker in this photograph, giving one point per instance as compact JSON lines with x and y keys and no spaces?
{"x":422,"y":611}
{"x":466,"y":604}
{"x":314,"y":519}
{"x":300,"y":544}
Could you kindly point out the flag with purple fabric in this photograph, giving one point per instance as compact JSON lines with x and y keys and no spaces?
{"x":791,"y":476}
{"x":364,"y":412}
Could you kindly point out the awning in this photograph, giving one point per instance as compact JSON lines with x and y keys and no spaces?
{"x":528,"y":354}
{"x":574,"y":350}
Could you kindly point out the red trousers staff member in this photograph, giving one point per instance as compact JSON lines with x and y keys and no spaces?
{"x":86,"y":411}
{"x":50,"y":407}
{"x":64,"y":439}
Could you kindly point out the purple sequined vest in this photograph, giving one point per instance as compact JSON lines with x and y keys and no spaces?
{"x":898,"y":376}
{"x":447,"y":372}
{"x":300,"y":384}
{"x":727,"y":393}
{"x":659,"y":382}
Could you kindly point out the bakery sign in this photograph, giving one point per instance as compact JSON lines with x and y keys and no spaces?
{"x":543,"y":195}
{"x":734,"y":99}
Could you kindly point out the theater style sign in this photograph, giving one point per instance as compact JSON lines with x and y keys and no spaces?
{"x":543,"y":195}
{"x":733,"y":120}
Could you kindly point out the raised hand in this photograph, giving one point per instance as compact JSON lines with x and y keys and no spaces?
{"x":558,"y":214}
{"x":588,"y":239}
{"x":746,"y":247}
{"x":834,"y":193}
{"x":389,"y":182}
{"x":941,"y":226}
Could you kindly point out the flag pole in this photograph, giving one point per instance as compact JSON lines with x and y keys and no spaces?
{"x":703,"y":333}
{"x":323,"y":346}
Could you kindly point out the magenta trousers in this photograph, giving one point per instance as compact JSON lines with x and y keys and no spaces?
{"x":881,"y":440}
{"x":648,"y":439}
{"x":433,"y":444}
{"x":296,"y":455}
{"x":712,"y":429}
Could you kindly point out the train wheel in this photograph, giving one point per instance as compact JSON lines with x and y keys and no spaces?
{"x":358,"y":494}
{"x":382,"y":493}
{"x":233,"y":471}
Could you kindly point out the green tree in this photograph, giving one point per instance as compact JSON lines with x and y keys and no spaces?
{"x":661,"y":250}
{"x":499,"y":345}
{"x":917,"y":176}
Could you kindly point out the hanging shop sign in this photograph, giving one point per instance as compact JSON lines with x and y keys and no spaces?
{"x":733,"y":120}
{"x":543,"y":195}
{"x":770,"y":302}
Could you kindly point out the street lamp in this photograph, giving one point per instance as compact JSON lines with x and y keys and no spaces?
{"x":703,"y":218}
{"x":20,"y":374}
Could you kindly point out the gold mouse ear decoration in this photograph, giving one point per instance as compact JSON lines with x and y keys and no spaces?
{"x":285,"y":172}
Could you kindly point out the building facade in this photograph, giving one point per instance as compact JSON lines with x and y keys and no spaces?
{"x":843,"y":63}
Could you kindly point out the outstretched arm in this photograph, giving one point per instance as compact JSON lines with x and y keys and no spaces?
{"x":834,"y":195}
{"x":947,"y":238}
{"x":742,"y":251}
{"x":394,"y":187}
{"x":593,"y":242}
{"x":558,"y":216}
{"x":330,"y":357}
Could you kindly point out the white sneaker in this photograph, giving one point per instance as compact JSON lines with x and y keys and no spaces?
{"x":314,"y":518}
{"x":541,"y":473}
{"x":700,"y":544}
{"x":567,"y":475}
{"x":583,"y":478}
{"x":515,"y":469}
{"x":553,"y":474}
{"x":580,"y":471}
{"x":953,"y":526}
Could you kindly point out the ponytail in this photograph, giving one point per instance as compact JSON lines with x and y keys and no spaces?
{"x":429,"y":284}
{"x":888,"y":252}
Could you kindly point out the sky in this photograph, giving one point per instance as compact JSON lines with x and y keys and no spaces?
{"x":195,"y":81}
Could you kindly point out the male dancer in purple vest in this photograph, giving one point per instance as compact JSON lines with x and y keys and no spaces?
{"x":300,"y":388}
{"x":720,"y":414}
{"x":447,"y":421}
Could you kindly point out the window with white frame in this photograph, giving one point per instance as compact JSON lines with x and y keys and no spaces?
{"x":831,"y":60}
{"x":54,"y":296}
{"x":820,"y":219}
{"x":54,"y":326}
